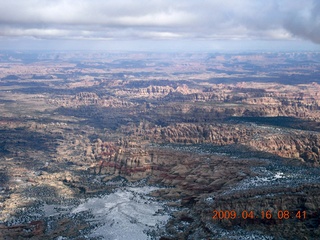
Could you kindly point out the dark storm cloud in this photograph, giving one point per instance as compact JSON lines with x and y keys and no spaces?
{"x":161,"y":19}
{"x":305,"y":24}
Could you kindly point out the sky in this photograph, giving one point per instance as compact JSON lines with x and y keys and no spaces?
{"x":160,"y":25}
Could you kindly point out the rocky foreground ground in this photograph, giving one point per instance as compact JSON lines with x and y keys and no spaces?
{"x":198,"y":180}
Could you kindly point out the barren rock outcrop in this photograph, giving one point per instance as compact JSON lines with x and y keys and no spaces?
{"x":294,"y":145}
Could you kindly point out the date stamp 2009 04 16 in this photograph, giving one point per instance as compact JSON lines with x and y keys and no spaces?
{"x":268,"y":214}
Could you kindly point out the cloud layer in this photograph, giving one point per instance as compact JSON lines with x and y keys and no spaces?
{"x":161,"y":19}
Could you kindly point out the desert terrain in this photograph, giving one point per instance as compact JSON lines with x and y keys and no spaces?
{"x":198,"y":132}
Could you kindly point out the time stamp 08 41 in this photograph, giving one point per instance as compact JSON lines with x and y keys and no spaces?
{"x":264,"y":214}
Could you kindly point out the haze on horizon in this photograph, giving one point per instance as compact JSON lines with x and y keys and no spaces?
{"x":160,"y":25}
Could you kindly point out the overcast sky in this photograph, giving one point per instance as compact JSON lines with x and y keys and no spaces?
{"x":187,"y":25}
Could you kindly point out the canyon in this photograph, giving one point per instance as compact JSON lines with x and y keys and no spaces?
{"x":204,"y":131}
